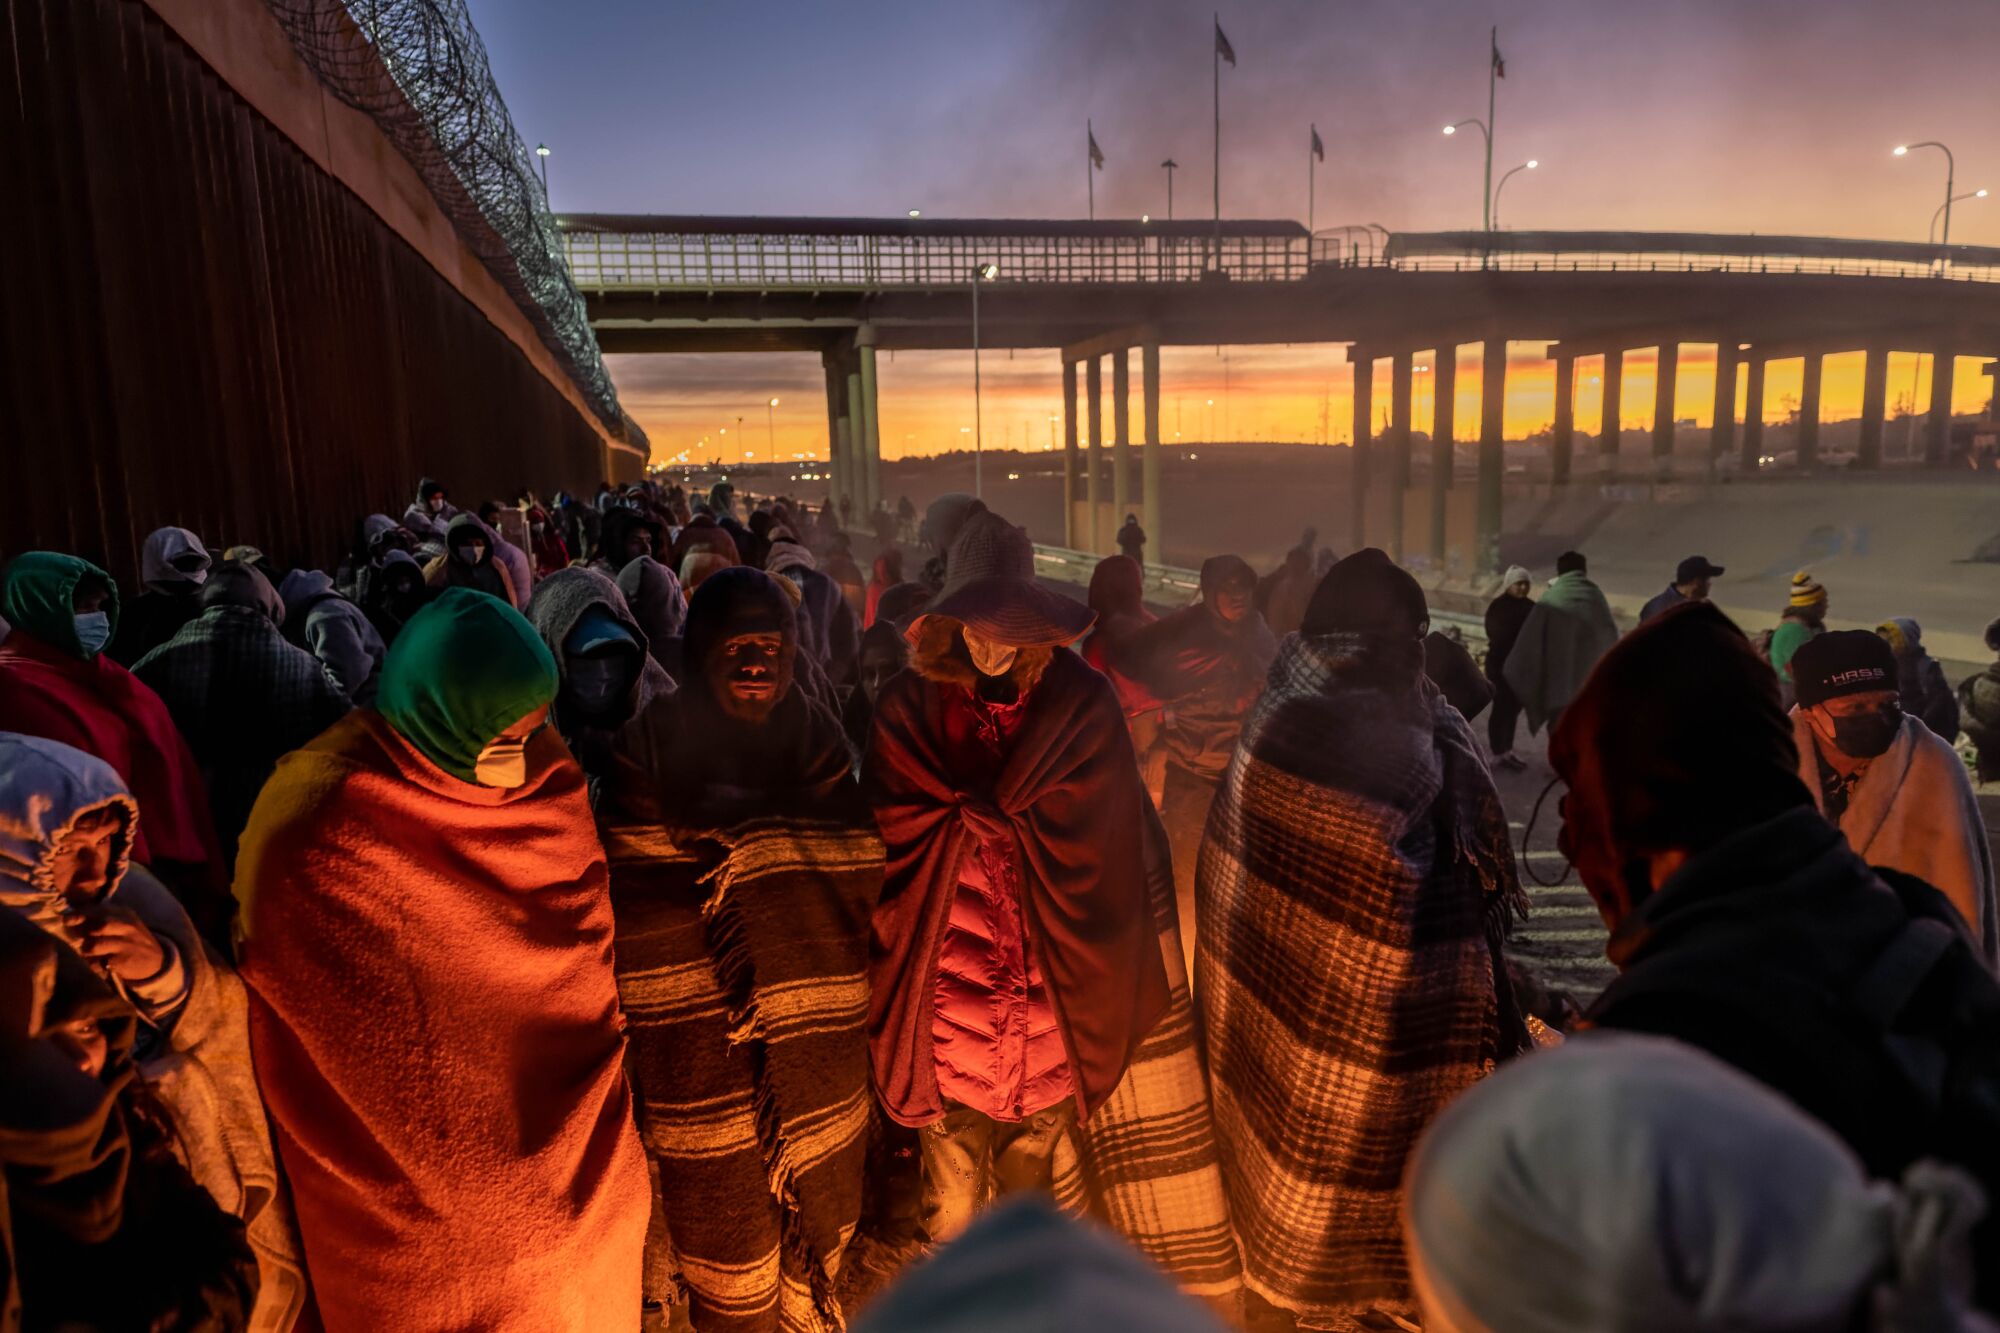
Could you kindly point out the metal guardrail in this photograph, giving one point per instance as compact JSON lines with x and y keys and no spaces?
{"x":650,"y":261}
{"x":616,"y":253}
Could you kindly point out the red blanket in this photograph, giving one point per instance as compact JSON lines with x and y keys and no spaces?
{"x":102,"y":709}
{"x":435,"y":1024}
{"x":1069,"y":794}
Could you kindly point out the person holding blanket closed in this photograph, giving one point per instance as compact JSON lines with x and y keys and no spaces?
{"x":1353,"y":892}
{"x":1561,"y":640}
{"x":743,"y":867}
{"x":433,"y":1012}
{"x":1029,"y":1008}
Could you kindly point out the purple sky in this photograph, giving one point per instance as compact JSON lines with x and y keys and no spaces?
{"x":1728,"y":115}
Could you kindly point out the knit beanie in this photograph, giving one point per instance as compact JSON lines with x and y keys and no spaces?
{"x":1515,"y":574}
{"x":1806,"y":590}
{"x":1367,"y":593}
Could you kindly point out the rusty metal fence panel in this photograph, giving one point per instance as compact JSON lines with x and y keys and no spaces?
{"x":202,"y":328}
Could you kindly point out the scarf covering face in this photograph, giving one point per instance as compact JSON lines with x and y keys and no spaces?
{"x":434,"y":1020}
{"x":1634,"y":1183}
{"x":1355,"y":879}
{"x":465,"y":668}
{"x":45,"y":788}
{"x":39,"y":596}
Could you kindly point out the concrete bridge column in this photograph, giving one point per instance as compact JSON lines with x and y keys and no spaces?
{"x":1070,"y":532}
{"x":1121,"y":435}
{"x":1874,"y":395}
{"x":1363,"y":363}
{"x":1808,"y":443}
{"x":836,"y":428}
{"x":1492,"y":454}
{"x":1094,"y":414}
{"x":1562,"y":436}
{"x":1665,"y":382}
{"x":1149,"y":456}
{"x":1937,"y":426}
{"x":1608,"y":430}
{"x":1753,"y":415}
{"x":1402,"y":370}
{"x":1444,"y":402}
{"x":871,"y":436}
{"x":857,"y":445}
{"x":1722,"y":418}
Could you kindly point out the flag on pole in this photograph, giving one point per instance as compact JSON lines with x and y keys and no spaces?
{"x":1096,"y":153}
{"x":1318,"y":148}
{"x":1225,"y":50}
{"x":1499,"y":64}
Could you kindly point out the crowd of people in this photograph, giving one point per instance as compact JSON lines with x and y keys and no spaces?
{"x":622,"y":909}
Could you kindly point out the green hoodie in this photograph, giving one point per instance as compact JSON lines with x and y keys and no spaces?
{"x":39,"y":596}
{"x":464,"y":669}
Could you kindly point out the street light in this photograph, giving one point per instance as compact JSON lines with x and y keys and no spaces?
{"x":1976,"y":194}
{"x":916,"y":212}
{"x":1950,"y":173}
{"x":1485,"y":201}
{"x":1529,"y":165}
{"x":542,"y":153}
{"x":985,"y":272}
{"x":771,"y":424}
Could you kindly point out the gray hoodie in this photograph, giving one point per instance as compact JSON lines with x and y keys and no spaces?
{"x":335,"y":631}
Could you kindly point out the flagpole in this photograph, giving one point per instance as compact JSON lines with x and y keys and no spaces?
{"x":1492,"y":103}
{"x":1215,"y":59}
{"x":1312,"y":189}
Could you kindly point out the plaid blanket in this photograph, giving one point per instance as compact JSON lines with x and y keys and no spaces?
{"x":1147,"y":1161}
{"x":742,"y":956}
{"x":244,"y":696}
{"x":1353,"y":888}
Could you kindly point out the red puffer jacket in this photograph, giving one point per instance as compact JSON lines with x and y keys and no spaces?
{"x":994,"y":1033}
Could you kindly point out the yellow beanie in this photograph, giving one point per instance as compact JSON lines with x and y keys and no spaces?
{"x":1806,"y":591}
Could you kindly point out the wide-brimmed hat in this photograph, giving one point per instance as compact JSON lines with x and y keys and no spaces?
{"x":990,"y":588}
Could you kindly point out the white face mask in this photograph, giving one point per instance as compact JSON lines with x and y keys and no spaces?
{"x":502,"y":764}
{"x":93,"y":631}
{"x":990,"y":658}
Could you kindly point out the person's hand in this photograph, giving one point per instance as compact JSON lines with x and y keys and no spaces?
{"x":117,"y":941}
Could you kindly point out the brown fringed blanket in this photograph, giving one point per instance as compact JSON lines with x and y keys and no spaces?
{"x":1354,"y":885}
{"x":742,"y":959}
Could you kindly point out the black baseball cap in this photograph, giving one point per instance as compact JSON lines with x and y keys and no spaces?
{"x":1842,"y":662}
{"x":1696,"y":567}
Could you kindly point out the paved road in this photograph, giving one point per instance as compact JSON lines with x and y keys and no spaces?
{"x":1562,"y":941}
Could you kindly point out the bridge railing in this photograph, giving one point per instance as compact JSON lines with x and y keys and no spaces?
{"x":707,"y":260}
{"x":613,"y":252}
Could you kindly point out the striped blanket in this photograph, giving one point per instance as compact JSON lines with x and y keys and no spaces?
{"x":1353,"y":887}
{"x":742,"y":955}
{"x":1147,"y":1161}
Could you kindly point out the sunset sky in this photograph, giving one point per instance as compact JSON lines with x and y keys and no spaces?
{"x":1723,"y":115}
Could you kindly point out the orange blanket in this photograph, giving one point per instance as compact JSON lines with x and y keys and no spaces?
{"x":436,"y":1030}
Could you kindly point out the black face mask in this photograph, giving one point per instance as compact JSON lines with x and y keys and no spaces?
{"x":1867,"y":735}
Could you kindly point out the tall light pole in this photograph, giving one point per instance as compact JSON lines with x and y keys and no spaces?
{"x":741,"y":455}
{"x":542,"y":158}
{"x":1955,"y":199}
{"x":980,"y":273}
{"x":771,"y":424}
{"x":1950,"y":178}
{"x":1170,"y":166}
{"x":1485,"y":197}
{"x":1529,"y":165}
